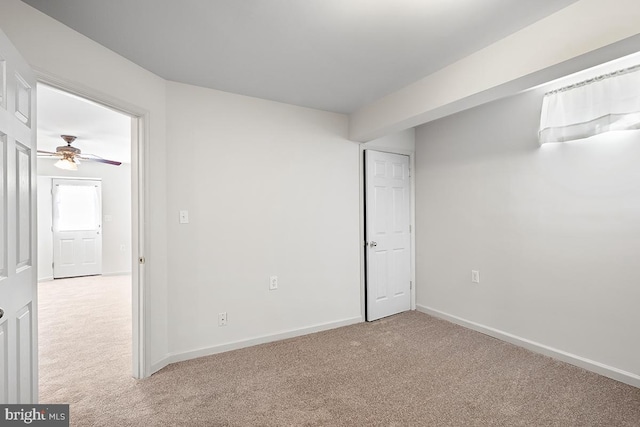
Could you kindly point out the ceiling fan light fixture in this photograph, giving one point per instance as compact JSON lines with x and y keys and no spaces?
{"x":69,"y":157}
{"x":66,"y":164}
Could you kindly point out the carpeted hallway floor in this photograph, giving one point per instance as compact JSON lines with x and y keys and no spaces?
{"x":406,"y":370}
{"x":84,"y":329}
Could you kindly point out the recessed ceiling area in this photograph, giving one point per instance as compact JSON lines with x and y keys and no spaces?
{"x":334,"y":55}
{"x":99,"y":130}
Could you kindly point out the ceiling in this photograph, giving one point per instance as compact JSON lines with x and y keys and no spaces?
{"x":100,"y":130}
{"x":334,"y":55}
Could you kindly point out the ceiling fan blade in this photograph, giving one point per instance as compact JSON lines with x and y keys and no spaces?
{"x":47,"y":153}
{"x":94,"y":158}
{"x":109,"y":162}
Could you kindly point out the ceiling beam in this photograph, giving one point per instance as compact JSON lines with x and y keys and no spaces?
{"x":584,"y":34}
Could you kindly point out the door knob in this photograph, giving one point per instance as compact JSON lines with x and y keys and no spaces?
{"x":1,"y":313}
{"x":372,"y":244}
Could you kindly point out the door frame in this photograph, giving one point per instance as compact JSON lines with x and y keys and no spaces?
{"x":412,"y":221}
{"x":139,"y":201}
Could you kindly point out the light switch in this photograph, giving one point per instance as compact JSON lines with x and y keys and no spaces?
{"x":184,"y":217}
{"x":475,"y":276}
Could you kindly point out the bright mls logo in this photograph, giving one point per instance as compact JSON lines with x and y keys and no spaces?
{"x":34,"y":415}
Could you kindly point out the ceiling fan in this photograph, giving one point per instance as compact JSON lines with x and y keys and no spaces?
{"x":70,"y":156}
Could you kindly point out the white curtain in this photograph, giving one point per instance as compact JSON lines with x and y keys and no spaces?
{"x":602,"y":104}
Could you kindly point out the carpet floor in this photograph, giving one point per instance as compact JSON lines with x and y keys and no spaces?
{"x":406,"y":370}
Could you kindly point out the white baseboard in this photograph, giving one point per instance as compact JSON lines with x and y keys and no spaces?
{"x":117,"y":273}
{"x":221,"y":348}
{"x":155,"y":367}
{"x":590,"y":365}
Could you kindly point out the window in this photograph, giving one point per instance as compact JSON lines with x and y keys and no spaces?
{"x":602,"y":104}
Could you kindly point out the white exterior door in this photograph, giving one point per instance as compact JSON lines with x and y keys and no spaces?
{"x":18,"y":278}
{"x":388,"y":238}
{"x":77,"y":227}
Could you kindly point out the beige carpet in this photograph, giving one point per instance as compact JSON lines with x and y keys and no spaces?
{"x":84,"y":329}
{"x":407,"y":370}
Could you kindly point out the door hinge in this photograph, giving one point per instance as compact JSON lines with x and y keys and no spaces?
{"x":141,"y":260}
{"x":410,"y":284}
{"x":52,"y":264}
{"x":409,"y":228}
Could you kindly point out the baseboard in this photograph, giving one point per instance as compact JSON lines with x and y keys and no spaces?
{"x":207,"y":351}
{"x":155,"y":367}
{"x":590,"y":365}
{"x":118,"y":273}
{"x":121,"y":273}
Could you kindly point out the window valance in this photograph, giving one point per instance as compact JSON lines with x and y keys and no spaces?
{"x":602,"y":104}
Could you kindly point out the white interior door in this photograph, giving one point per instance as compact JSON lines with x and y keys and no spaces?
{"x":18,"y":278}
{"x":387,"y":230}
{"x":77,"y":227}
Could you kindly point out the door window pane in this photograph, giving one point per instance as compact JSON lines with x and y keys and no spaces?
{"x":77,"y":207}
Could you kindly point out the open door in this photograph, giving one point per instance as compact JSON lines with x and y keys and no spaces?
{"x":388,"y":238}
{"x":77,"y":227}
{"x":18,"y":278}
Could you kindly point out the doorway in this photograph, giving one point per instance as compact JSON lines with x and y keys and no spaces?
{"x":118,"y":216}
{"x":77,"y":227}
{"x":387,"y":230}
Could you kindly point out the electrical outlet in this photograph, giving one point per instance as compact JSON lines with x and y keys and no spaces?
{"x":475,"y":276}
{"x":123,"y":248}
{"x":273,"y":283}
{"x":222,"y":319}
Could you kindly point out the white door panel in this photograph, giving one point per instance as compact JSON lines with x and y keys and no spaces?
{"x":387,"y":233}
{"x":77,"y":227}
{"x":3,"y":196}
{"x":18,"y":337}
{"x":4,"y":362}
{"x":24,"y":328}
{"x":24,"y":204}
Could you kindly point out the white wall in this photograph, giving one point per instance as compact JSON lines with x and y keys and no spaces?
{"x":271,"y":189}
{"x":553,"y":230}
{"x":61,"y":53}
{"x":116,"y":213}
